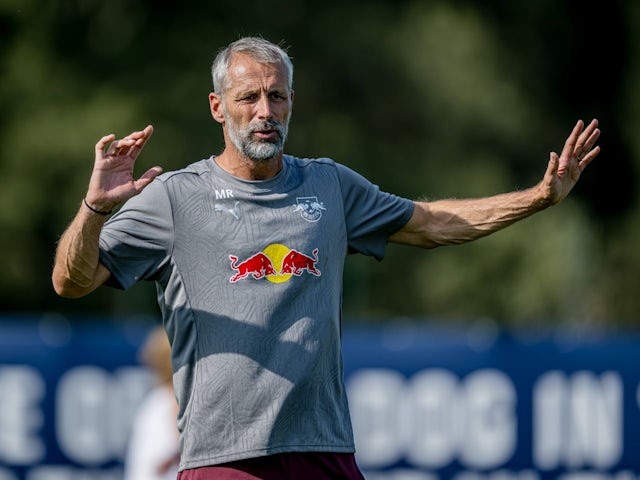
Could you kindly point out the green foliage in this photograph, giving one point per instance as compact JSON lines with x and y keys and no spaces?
{"x":427,"y":99}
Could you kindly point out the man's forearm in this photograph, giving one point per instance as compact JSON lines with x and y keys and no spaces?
{"x":452,"y":222}
{"x":459,"y":221}
{"x":75,"y":271}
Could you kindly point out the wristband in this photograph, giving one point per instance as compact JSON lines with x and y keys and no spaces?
{"x":99,"y":212}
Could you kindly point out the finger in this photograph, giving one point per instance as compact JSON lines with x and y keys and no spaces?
{"x":586,"y":140}
{"x":141,"y":141}
{"x":588,"y":158}
{"x":141,"y":134}
{"x":591,"y":127}
{"x":121,"y":147}
{"x":102,"y":143}
{"x":593,"y":138}
{"x":570,"y":143}
{"x":552,"y":167}
{"x":563,"y":164}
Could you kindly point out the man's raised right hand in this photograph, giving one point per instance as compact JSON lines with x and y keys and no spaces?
{"x":112,"y":181}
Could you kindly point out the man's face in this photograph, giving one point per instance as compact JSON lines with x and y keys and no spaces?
{"x":257,"y":107}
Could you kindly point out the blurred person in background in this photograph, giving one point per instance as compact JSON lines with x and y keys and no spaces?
{"x":152,"y":453}
{"x":247,"y":249}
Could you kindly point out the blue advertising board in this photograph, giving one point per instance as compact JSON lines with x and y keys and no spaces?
{"x":427,"y":402}
{"x":435,"y":404}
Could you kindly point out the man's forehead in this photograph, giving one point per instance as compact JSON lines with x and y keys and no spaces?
{"x":245,"y":70}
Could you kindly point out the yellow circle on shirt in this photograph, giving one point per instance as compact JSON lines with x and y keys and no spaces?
{"x":276,"y":253}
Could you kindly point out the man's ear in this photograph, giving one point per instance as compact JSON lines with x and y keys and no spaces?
{"x":215,"y":104}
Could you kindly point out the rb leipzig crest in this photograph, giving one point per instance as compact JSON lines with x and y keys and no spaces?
{"x":310,"y":208}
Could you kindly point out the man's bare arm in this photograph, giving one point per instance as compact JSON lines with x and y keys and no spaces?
{"x":450,"y":222}
{"x":77,"y":270}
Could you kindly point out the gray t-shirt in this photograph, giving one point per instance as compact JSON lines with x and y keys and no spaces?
{"x":249,"y":280}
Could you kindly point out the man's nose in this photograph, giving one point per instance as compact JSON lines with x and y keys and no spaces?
{"x":264,"y":107}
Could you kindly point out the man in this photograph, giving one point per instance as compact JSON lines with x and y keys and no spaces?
{"x":247,"y":249}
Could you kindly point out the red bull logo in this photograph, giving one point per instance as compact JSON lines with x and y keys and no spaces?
{"x":277,"y":263}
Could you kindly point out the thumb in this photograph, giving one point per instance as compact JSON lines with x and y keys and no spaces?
{"x":552,"y":167}
{"x":147,"y":177}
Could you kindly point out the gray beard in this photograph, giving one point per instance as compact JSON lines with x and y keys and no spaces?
{"x":254,"y":149}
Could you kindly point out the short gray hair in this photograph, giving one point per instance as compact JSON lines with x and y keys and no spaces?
{"x":257,"y":48}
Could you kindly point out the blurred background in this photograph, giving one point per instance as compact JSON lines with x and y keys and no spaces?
{"x":428,"y":99}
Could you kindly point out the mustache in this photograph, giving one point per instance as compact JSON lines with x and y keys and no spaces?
{"x":267,"y":125}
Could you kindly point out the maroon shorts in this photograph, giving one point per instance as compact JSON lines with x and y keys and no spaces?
{"x":283,"y":466}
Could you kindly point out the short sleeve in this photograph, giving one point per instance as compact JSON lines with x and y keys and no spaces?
{"x":371,"y":215}
{"x":136,"y":242}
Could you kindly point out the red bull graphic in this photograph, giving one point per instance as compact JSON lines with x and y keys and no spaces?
{"x":296,"y":263}
{"x":258,"y":265}
{"x":277,"y":263}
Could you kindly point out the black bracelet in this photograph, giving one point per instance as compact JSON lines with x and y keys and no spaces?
{"x":99,"y":212}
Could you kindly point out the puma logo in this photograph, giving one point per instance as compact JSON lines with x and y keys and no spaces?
{"x":229,"y":210}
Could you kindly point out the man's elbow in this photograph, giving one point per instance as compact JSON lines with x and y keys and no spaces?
{"x":66,"y":292}
{"x":66,"y":288}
